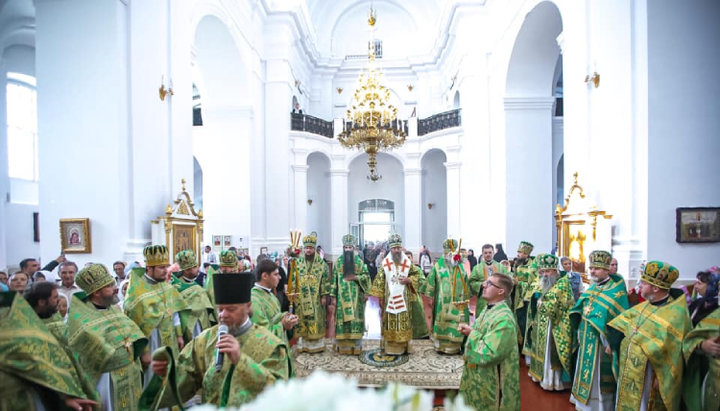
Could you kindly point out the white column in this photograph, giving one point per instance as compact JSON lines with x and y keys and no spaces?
{"x":277,"y":156}
{"x":339,"y":208}
{"x":300,"y":172}
{"x":413,"y":208}
{"x":453,"y":198}
{"x":529,"y":171}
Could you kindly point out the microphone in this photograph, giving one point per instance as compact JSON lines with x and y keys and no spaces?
{"x":222,"y":330}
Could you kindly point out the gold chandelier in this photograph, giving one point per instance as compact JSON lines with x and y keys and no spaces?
{"x":373,"y":125}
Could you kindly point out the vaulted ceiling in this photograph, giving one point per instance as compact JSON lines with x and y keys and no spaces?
{"x":407,"y":28}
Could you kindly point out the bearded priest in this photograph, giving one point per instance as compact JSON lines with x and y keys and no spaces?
{"x":547,"y":337}
{"x":349,"y":286}
{"x":396,"y":285}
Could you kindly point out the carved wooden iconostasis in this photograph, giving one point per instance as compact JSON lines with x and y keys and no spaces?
{"x":581,"y":227}
{"x":181,"y":228}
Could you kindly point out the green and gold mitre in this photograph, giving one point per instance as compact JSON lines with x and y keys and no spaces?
{"x":93,"y":278}
{"x":186,"y":259}
{"x":547,"y":262}
{"x":600,"y":259}
{"x":349,"y":239}
{"x":156,"y":255}
{"x":395,"y":240}
{"x":525,"y":247}
{"x":228,"y":259}
{"x":660,"y":274}
{"x":450,"y":245}
{"x":310,"y":240}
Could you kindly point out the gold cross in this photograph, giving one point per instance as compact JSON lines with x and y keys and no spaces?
{"x":588,"y":310}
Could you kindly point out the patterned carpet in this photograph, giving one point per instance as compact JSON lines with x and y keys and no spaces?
{"x":424,"y":369}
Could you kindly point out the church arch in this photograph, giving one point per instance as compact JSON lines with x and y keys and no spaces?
{"x":222,"y":145}
{"x":529,"y":112}
{"x":391,"y":187}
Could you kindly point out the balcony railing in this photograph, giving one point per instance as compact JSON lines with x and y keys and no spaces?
{"x":314,"y":125}
{"x":439,"y":121}
{"x":310,"y":124}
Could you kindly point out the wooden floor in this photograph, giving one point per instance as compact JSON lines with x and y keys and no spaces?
{"x":534,"y":398}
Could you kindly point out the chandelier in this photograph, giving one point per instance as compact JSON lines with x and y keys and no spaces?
{"x":373,"y":125}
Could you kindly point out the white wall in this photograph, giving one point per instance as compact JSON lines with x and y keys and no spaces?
{"x":434,"y":190}
{"x":391,"y":187}
{"x":683,"y":126}
{"x":16,"y":233}
{"x":318,"y":190}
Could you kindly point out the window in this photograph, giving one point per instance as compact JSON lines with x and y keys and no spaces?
{"x":22,"y":127}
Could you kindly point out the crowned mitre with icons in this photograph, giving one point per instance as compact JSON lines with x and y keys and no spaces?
{"x":394,"y":272}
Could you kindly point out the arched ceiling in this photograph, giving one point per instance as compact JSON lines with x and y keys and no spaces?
{"x":407,"y":28}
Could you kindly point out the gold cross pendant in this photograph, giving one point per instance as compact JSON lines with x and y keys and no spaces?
{"x":588,"y":310}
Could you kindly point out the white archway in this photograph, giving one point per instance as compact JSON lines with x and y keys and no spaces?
{"x":391,"y":187}
{"x":221,"y":145}
{"x":529,"y":105}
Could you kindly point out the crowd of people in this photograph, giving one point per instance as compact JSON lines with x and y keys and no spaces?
{"x":162,"y":335}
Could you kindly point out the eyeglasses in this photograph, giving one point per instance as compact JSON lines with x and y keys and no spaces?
{"x":488,"y":282}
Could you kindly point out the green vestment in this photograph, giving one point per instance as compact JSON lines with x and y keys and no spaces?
{"x":266,"y":312}
{"x":398,"y":327}
{"x":263,"y":360}
{"x":478,"y":275}
{"x":33,"y":365}
{"x":201,"y":314}
{"x":213,"y":269}
{"x":447,"y":315}
{"x":57,"y":326}
{"x":650,"y":335}
{"x":549,"y":311}
{"x":524,"y":276}
{"x":491,"y":376}
{"x":313,"y":282}
{"x":152,"y":306}
{"x":350,"y":298}
{"x":597,"y":306}
{"x":107,"y":341}
{"x":700,"y":368}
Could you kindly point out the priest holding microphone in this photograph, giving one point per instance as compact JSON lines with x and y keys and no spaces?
{"x":231,"y":362}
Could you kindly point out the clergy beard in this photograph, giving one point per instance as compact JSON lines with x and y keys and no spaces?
{"x":548,"y":281}
{"x":450,"y":260}
{"x":396,"y":257}
{"x":348,"y":262}
{"x":48,"y":312}
{"x":108,"y":301}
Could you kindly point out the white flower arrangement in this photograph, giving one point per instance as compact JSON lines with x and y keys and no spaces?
{"x":328,"y":392}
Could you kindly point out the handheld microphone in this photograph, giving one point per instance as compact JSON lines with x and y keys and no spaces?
{"x":222,"y":330}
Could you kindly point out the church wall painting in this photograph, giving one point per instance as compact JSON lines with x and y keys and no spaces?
{"x":697,"y":225}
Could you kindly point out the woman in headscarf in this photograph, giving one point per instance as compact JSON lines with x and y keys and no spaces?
{"x":706,"y":287}
{"x":123,"y":290}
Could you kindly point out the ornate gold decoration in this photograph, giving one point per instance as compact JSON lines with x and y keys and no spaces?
{"x":164,"y":92}
{"x":594,"y":78}
{"x":576,"y":222}
{"x":183,"y":209}
{"x":182,"y":225}
{"x":373,"y":123}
